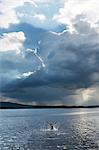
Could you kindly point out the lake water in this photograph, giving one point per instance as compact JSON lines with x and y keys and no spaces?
{"x":27,"y":129}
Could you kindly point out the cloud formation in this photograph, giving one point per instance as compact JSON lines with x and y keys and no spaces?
{"x":58,"y":55}
{"x":12,"y":41}
{"x":85,"y":10}
{"x":8,"y":13}
{"x":40,"y":17}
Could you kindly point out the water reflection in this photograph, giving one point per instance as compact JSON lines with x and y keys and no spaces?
{"x":29,"y":131}
{"x":85,"y":130}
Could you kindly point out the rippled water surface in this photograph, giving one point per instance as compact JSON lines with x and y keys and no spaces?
{"x":27,"y":129}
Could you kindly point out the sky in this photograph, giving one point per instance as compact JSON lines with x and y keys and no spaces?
{"x":49,"y":52}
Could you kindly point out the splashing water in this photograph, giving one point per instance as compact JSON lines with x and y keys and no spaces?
{"x":28,"y":129}
{"x":48,"y":128}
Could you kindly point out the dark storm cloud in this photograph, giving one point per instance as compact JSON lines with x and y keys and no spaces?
{"x":71,"y":60}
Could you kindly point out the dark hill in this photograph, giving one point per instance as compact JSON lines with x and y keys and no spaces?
{"x":9,"y":105}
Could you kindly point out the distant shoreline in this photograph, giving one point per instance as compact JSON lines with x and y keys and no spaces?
{"x":9,"y":105}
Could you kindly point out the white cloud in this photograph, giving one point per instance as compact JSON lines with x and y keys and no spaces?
{"x":43,"y":1}
{"x":87,"y":10}
{"x":40,"y":17}
{"x":8,"y":18}
{"x":85,"y":96}
{"x":87,"y":93}
{"x":93,"y":96}
{"x":8,"y":13}
{"x":35,"y":52}
{"x":12,"y":41}
{"x":25,"y":74}
{"x":11,"y":4}
{"x":88,"y":96}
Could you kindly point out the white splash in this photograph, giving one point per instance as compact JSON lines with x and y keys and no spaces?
{"x":47,"y":128}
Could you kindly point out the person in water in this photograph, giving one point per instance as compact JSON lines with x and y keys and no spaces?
{"x":51,"y":126}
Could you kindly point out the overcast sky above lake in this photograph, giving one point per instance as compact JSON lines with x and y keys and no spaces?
{"x":49,"y":51}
